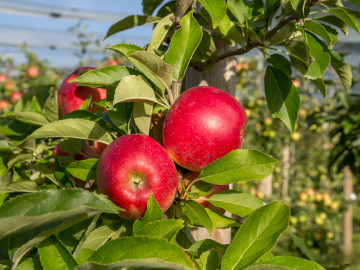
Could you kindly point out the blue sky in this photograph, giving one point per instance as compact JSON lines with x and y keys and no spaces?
{"x":19,"y":22}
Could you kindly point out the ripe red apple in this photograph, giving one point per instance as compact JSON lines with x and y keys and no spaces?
{"x":132,"y":168}
{"x":9,"y":85}
{"x":3,"y":104}
{"x":71,"y":96}
{"x":112,"y":62}
{"x":204,"y":124}
{"x":3,"y":78}
{"x":191,"y":176}
{"x":94,"y":149}
{"x":15,"y":96}
{"x":33,"y":72}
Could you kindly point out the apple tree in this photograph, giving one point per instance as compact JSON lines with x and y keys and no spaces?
{"x":52,"y":215}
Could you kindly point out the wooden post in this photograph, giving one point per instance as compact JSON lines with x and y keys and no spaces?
{"x":286,"y":169}
{"x":222,"y":76}
{"x":265,"y":186}
{"x":348,"y":215}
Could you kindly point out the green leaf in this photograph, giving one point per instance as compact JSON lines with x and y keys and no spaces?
{"x":159,"y":33}
{"x":270,"y":9}
{"x":72,"y":128}
{"x":287,"y":262}
{"x":216,"y":9}
{"x":150,"y":5}
{"x":288,"y":35}
{"x":134,"y":88}
{"x":100,"y":236}
{"x":18,"y":186}
{"x":51,"y":108}
{"x":32,"y":118}
{"x":282,"y":97}
{"x":125,"y":49}
{"x":280,"y":62}
{"x":299,"y":6}
{"x":139,"y":252}
{"x":257,"y":235}
{"x":299,"y":243}
{"x":53,"y":255}
{"x":239,"y":10}
{"x":206,"y":50}
{"x":130,"y":22}
{"x":203,"y":246}
{"x":105,"y":76}
{"x":209,"y":260}
{"x":165,"y":228}
{"x":321,"y":86}
{"x":183,"y":45}
{"x":197,"y":214}
{"x":342,"y":69}
{"x":320,"y":30}
{"x":31,"y":210}
{"x":83,"y":169}
{"x":29,"y":239}
{"x":220,"y":221}
{"x":155,"y":65}
{"x":241,"y":204}
{"x":153,"y":213}
{"x":349,"y":19}
{"x":335,"y":21}
{"x":238,"y":165}
{"x":142,"y":112}
{"x":320,"y":58}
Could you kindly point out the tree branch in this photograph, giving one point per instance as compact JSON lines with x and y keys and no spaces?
{"x":200,"y":66}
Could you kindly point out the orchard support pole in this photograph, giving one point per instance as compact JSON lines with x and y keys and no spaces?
{"x":348,"y":215}
{"x":265,"y":186}
{"x":222,"y":76}
{"x":286,"y":169}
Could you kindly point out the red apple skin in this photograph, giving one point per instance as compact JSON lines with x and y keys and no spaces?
{"x":3,"y":78}
{"x":33,"y":72}
{"x":95,"y":150}
{"x":132,"y":168}
{"x":71,"y":96}
{"x":3,"y":104}
{"x":112,"y":62}
{"x":76,"y":157}
{"x":204,"y":124}
{"x":191,"y":176}
{"x":15,"y":96}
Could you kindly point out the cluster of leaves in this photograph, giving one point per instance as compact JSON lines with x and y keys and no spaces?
{"x":305,"y":39}
{"x":57,"y":225}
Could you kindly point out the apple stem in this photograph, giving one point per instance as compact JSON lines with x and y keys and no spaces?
{"x":189,"y":187}
{"x":170,"y":94}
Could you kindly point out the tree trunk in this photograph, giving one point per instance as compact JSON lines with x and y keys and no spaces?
{"x":222,"y":76}
{"x":348,"y":215}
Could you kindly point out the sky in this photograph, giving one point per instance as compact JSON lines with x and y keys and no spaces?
{"x":29,"y":21}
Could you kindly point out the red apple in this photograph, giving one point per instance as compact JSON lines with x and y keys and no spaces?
{"x":3,"y":104}
{"x":3,"y":78}
{"x":75,"y":157}
{"x":94,"y":149}
{"x":10,"y":85}
{"x":204,"y":124}
{"x":132,"y":168}
{"x":71,"y":96}
{"x":191,"y":176}
{"x":15,"y":96}
{"x":112,"y":62}
{"x":33,"y":72}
